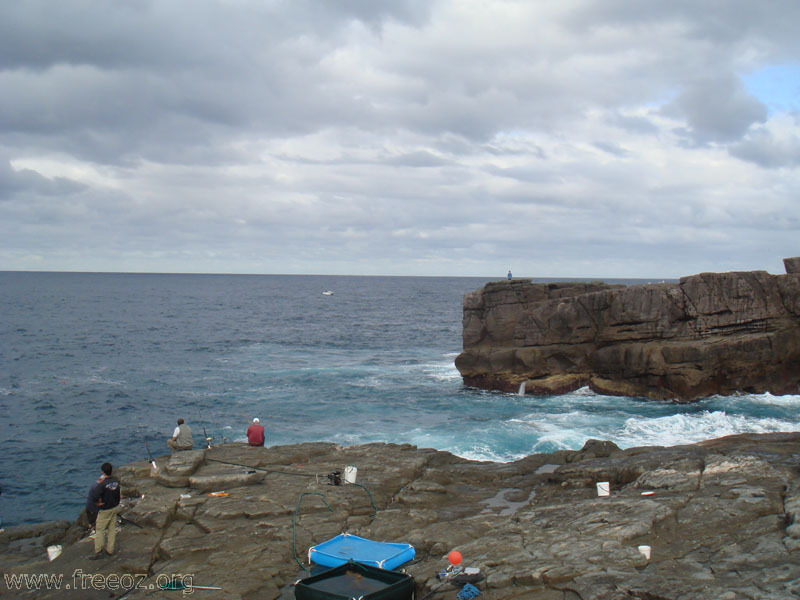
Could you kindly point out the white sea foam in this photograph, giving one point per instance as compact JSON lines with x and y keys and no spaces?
{"x":442,"y":371}
{"x":683,"y":428}
{"x":571,"y":429}
{"x":104,"y":380}
{"x":769,"y":399}
{"x":584,"y":391}
{"x":556,"y":437}
{"x":483,"y":452}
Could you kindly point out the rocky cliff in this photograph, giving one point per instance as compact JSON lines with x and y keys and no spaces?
{"x":720,"y":520}
{"x":712,"y":333}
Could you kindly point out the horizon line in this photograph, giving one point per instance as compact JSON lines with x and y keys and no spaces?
{"x":503,"y":277}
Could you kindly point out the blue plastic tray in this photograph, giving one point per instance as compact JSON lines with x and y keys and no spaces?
{"x":345,"y":547}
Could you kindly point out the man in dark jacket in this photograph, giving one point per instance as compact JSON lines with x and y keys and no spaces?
{"x":106,"y":497}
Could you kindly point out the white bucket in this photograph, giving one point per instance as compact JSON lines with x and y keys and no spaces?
{"x":350,"y":473}
{"x":53,"y":552}
{"x":603,"y":488}
{"x":645,"y":550}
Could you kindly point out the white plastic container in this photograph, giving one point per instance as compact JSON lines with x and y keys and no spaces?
{"x":350,"y":472}
{"x":645,"y":550}
{"x":603,"y":488}
{"x":53,"y":552}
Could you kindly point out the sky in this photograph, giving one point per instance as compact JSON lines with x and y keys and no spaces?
{"x":402,"y":137}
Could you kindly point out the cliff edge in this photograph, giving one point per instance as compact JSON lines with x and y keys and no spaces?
{"x":712,"y":333}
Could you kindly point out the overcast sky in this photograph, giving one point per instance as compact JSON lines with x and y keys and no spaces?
{"x":401,"y":137}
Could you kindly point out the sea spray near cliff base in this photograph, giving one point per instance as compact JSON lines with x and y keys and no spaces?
{"x":91,"y":363}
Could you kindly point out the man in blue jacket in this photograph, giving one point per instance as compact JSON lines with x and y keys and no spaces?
{"x":106,"y":497}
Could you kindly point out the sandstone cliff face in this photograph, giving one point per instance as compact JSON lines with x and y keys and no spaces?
{"x":712,"y":333}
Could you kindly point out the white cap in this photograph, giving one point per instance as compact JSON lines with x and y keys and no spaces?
{"x":255,"y":420}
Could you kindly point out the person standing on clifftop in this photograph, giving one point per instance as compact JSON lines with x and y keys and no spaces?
{"x":105,"y":497}
{"x":255,"y":434}
{"x":181,"y":438}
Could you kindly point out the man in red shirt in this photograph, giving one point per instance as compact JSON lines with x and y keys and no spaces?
{"x":255,"y":434}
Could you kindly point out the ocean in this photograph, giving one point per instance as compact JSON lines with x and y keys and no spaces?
{"x":97,"y":367}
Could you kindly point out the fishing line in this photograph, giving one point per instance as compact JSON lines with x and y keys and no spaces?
{"x":294,"y":523}
{"x":224,"y":462}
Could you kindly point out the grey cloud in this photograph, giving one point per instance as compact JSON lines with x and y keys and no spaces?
{"x":14,"y":182}
{"x":765,"y":149}
{"x":729,"y":22}
{"x":421,"y":158}
{"x":165,"y":79}
{"x":167,"y":33}
{"x":302,"y":135}
{"x":374,"y":12}
{"x":717,"y":109}
{"x":531,"y":173}
{"x":611,"y":148}
{"x":634,"y":124}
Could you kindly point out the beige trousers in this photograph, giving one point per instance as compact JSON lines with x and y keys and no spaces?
{"x":173,"y":446}
{"x":106,"y":520}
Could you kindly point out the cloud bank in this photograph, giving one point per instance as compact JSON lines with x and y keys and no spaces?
{"x":441,"y":137}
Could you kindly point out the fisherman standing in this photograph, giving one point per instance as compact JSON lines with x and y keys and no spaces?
{"x":255,"y":433}
{"x":106,"y":497}
{"x":181,"y":438}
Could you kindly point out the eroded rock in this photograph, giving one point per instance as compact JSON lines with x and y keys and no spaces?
{"x":712,"y":333}
{"x":722,"y":519}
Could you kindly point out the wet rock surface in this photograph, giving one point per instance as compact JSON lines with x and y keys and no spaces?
{"x":712,"y":333}
{"x":721,"y":519}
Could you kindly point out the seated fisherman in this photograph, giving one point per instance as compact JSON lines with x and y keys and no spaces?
{"x":181,"y":438}
{"x":255,"y":434}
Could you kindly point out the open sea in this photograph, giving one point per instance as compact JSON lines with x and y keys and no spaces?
{"x":93,"y":365}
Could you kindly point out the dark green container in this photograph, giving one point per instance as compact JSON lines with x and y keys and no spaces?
{"x":354,"y":581}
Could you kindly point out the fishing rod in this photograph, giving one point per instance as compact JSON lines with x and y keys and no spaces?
{"x":127,"y":520}
{"x":208,"y":439}
{"x":152,"y":460}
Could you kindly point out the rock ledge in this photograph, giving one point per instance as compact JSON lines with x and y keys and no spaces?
{"x":722,"y":520}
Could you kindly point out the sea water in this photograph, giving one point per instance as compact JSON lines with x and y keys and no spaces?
{"x":98,"y":367}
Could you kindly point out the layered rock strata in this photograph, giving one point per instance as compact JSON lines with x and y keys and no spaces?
{"x":712,"y":333}
{"x":721,"y":520}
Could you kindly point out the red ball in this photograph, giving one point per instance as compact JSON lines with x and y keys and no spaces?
{"x":454,"y":557}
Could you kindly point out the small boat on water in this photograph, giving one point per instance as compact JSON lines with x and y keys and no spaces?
{"x":327,"y":293}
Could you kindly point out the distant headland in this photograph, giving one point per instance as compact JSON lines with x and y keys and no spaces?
{"x":712,"y":333}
